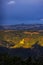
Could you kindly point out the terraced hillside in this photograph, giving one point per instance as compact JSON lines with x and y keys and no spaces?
{"x":20,"y":38}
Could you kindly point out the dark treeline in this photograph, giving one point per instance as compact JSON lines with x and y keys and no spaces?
{"x":5,"y":59}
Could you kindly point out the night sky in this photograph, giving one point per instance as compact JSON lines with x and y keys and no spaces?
{"x":21,"y":11}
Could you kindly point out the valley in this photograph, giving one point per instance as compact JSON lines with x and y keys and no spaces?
{"x":20,"y":38}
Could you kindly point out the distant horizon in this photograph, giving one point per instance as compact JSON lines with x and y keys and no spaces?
{"x":22,"y":22}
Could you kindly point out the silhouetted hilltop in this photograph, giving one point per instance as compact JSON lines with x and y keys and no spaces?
{"x":35,"y":51}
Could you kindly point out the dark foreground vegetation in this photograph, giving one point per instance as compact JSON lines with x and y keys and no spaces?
{"x":5,"y":59}
{"x":34,"y":57}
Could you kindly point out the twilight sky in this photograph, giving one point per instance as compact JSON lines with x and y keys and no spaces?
{"x":21,"y":11}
